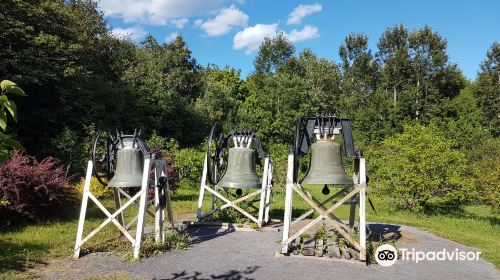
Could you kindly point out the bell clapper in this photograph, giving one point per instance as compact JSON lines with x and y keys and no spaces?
{"x":239,"y":192}
{"x":325,"y":190}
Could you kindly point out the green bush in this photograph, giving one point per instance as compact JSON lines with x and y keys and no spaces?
{"x":418,"y":165}
{"x":96,"y":188}
{"x":486,"y":172}
{"x":279,"y":155}
{"x":189,"y":165}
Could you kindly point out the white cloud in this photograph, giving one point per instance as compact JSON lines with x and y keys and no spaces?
{"x":156,"y":12}
{"x":302,"y":11}
{"x":251,"y":37}
{"x":307,"y":33}
{"x":171,"y":37}
{"x":180,"y":22}
{"x":134,"y":33}
{"x":224,"y":21}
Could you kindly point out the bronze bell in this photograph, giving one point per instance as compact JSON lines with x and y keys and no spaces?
{"x":129,"y":168}
{"x":240,"y":172}
{"x":326,"y":167}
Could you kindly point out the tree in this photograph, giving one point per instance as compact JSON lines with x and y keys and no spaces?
{"x":415,"y":69}
{"x":464,"y":121}
{"x":223,"y":93}
{"x":273,"y":54}
{"x":487,"y":89}
{"x":420,"y":165}
{"x":8,"y":106}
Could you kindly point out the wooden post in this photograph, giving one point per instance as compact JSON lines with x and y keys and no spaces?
{"x":362,"y":209}
{"x":202,"y":189}
{"x":263,"y":193}
{"x":288,"y":204}
{"x":142,"y":208}
{"x":355,"y":178}
{"x":268,"y":191}
{"x":83,"y":210}
{"x":118,"y":204}
{"x":158,"y":206}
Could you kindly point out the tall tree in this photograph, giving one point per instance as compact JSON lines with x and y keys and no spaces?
{"x":273,"y":54}
{"x":487,"y":88}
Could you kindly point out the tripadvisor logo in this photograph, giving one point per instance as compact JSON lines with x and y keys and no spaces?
{"x":387,"y":255}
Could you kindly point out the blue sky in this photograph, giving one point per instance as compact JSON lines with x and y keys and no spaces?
{"x":227,"y":32}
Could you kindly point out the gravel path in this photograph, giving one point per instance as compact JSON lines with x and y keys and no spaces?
{"x":226,"y":254}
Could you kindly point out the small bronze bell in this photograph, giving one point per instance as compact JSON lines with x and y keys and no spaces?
{"x":129,"y":168}
{"x":326,"y":165}
{"x":240,"y":173}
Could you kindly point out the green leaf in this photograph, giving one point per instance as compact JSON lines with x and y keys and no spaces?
{"x":16,"y":90}
{"x":4,"y":154}
{"x":12,"y":87}
{"x":9,"y":142}
{"x":12,"y":108}
{"x":6,"y":83}
{"x":3,"y":120}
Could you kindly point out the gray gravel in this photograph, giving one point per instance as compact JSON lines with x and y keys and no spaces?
{"x":226,"y":254}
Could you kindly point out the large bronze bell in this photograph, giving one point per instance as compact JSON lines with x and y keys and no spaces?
{"x":129,"y":168}
{"x":326,"y":165}
{"x":240,"y":172}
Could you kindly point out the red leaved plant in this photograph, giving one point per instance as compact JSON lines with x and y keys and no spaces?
{"x":32,"y":190}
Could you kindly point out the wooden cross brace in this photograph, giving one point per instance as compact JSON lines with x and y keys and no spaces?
{"x":117,"y":217}
{"x":326,"y":213}
{"x":265,"y":192}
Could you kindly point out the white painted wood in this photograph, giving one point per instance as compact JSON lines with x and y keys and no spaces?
{"x":262,"y":202}
{"x":239,"y":209}
{"x":268,"y":191}
{"x":325,"y":214}
{"x":118,"y":204}
{"x":111,"y":217}
{"x":362,"y":208}
{"x":202,"y":189}
{"x":158,"y":208}
{"x":322,"y":204}
{"x":142,"y":208}
{"x":231,"y":203}
{"x":124,"y":206}
{"x":83,"y":210}
{"x":288,"y":204}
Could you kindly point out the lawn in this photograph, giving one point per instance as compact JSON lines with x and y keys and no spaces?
{"x":24,"y":247}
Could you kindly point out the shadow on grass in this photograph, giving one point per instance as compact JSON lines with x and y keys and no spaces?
{"x":19,"y":257}
{"x":457,"y":211}
{"x":229,"y":275}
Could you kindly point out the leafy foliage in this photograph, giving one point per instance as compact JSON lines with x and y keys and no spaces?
{"x":189,"y":164}
{"x":419,"y":165}
{"x":8,"y":106}
{"x":31,"y":190}
{"x":96,"y":188}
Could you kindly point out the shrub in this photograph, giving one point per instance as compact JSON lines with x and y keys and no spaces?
{"x":486,"y":172}
{"x":418,"y":165}
{"x":189,"y":165}
{"x":31,"y":190}
{"x":279,"y":156}
{"x":165,"y":148}
{"x":96,"y":188}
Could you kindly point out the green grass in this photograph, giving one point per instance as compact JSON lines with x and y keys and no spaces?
{"x":25,"y":247}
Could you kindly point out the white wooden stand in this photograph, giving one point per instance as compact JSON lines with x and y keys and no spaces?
{"x":117,"y":217}
{"x":326,"y":213}
{"x":265,"y":193}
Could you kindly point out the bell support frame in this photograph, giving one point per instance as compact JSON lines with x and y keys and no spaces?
{"x":304,"y":134}
{"x":161,"y":202}
{"x":209,"y":178}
